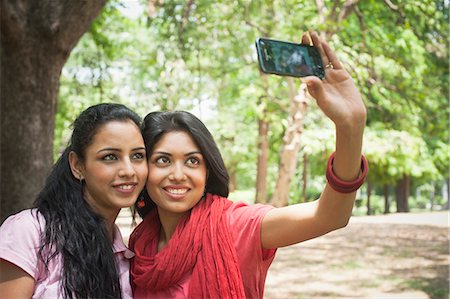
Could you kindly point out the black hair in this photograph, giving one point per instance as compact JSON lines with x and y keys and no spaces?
{"x":72,"y":229}
{"x":156,"y":124}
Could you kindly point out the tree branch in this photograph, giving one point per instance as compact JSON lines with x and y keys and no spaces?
{"x":333,"y":15}
{"x":60,"y":24}
{"x":74,"y":20}
{"x":391,"y":5}
{"x":250,"y":23}
{"x":185,"y":17}
{"x":347,"y":9}
{"x":321,"y":10}
{"x":397,"y":10}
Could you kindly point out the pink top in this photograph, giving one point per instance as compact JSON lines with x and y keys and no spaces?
{"x":245,"y":224}
{"x":19,"y":244}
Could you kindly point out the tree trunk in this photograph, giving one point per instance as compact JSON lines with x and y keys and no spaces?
{"x":291,"y":144}
{"x":233,"y":179}
{"x":263,"y":146}
{"x":447,"y":202}
{"x":402,"y":194}
{"x":432,"y":197}
{"x":305,"y":177}
{"x":37,"y":38}
{"x":387,"y":204}
{"x":263,"y":156}
{"x":369,"y":193}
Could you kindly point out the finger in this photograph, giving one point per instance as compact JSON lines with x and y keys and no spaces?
{"x":315,"y":87}
{"x":317,"y":42}
{"x":306,"y":40}
{"x":331,"y":56}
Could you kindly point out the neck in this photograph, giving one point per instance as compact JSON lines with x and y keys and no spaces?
{"x":168,"y":226}
{"x":110,"y":227}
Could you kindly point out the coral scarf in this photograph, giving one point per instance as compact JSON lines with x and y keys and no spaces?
{"x":201,"y":244}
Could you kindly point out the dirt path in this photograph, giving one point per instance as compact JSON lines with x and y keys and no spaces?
{"x":393,"y":256}
{"x":401,"y":256}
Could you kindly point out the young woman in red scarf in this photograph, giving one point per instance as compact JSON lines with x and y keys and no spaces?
{"x":194,"y":242}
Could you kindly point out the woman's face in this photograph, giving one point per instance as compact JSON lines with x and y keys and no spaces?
{"x":115,"y":168}
{"x":177,"y":174}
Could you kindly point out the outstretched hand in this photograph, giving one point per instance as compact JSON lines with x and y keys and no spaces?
{"x":336,"y":94}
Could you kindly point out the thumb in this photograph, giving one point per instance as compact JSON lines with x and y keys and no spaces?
{"x":315,"y":87}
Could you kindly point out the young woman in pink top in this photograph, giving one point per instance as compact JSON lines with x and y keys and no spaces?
{"x":195,"y":243}
{"x":68,"y":246}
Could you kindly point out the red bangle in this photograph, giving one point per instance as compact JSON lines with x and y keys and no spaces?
{"x":343,"y":186}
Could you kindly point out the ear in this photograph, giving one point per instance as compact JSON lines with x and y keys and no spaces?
{"x":76,"y":166}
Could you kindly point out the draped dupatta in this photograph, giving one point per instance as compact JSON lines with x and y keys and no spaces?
{"x":201,"y":245}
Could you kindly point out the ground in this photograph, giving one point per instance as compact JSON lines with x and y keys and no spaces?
{"x":394,"y":256}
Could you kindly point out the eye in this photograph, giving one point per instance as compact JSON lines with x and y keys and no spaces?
{"x":138,"y":156}
{"x":193,"y":161}
{"x":162,"y":160}
{"x":109,"y":157}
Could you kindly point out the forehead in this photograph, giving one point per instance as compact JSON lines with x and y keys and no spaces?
{"x":118,"y":134}
{"x":176,"y":141}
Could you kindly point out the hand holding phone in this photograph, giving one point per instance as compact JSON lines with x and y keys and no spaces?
{"x":289,"y":59}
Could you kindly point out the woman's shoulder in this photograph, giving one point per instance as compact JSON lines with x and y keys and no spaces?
{"x":241,"y":213}
{"x":24,"y":219}
{"x":245,"y":207}
{"x":20,"y":240}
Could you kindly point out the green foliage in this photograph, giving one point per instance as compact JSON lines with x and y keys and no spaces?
{"x":393,"y":154}
{"x":93,"y":71}
{"x":200,"y":56}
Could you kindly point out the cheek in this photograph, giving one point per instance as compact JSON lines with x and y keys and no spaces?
{"x":142,"y":172}
{"x":200,"y":177}
{"x":155,"y":175}
{"x":99,"y":174}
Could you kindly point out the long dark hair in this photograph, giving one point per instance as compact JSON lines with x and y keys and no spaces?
{"x":72,"y":228}
{"x":156,"y":124}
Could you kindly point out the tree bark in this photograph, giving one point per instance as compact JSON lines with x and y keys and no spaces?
{"x":387,"y":204}
{"x":369,"y":193}
{"x":304,"y":177}
{"x":233,"y":179}
{"x":432,"y":197}
{"x":263,"y":156}
{"x":447,"y":203}
{"x":263,"y":146}
{"x":291,"y":144}
{"x":402,"y":195}
{"x":37,"y":38}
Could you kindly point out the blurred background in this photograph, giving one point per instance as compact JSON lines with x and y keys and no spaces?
{"x":200,"y":56}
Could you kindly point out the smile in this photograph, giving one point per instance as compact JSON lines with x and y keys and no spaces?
{"x":177,"y":191}
{"x":125,"y":187}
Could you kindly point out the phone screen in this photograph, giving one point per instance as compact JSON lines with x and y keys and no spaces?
{"x":289,"y":59}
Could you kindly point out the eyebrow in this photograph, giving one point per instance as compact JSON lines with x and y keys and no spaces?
{"x":169,"y":154}
{"x":113,"y":149}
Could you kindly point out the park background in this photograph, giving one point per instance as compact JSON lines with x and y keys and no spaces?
{"x":59,"y":57}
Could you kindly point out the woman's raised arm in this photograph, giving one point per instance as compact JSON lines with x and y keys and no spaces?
{"x":340,"y":100}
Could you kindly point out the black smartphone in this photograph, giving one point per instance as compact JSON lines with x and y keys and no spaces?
{"x":289,"y":59}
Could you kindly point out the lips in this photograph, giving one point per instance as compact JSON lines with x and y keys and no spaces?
{"x":176,"y":192}
{"x":125,"y":188}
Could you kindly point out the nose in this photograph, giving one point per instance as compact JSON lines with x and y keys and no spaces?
{"x":177,"y":174}
{"x":127,"y":169}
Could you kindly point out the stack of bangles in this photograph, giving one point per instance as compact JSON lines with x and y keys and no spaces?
{"x":344,"y":186}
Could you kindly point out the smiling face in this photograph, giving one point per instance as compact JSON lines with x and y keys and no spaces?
{"x":114,"y":169}
{"x":177,"y":174}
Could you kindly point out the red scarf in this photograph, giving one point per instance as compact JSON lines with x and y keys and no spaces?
{"x":201,"y":243}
